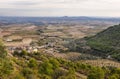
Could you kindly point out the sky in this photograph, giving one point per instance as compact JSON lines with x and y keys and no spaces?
{"x":104,"y":8}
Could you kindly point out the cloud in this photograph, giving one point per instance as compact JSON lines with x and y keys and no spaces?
{"x":60,"y":7}
{"x":24,"y":3}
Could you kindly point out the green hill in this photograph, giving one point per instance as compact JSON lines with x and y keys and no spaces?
{"x":104,"y":44}
{"x":107,"y":42}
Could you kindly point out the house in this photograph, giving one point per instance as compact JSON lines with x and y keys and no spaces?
{"x":35,"y":50}
{"x":8,"y":40}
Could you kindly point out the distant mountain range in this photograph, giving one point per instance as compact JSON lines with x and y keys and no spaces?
{"x":93,"y":21}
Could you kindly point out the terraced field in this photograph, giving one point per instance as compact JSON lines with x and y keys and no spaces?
{"x":101,"y":63}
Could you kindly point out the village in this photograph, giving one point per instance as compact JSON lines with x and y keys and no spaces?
{"x":34,"y":39}
{"x":29,"y":44}
{"x":17,"y":43}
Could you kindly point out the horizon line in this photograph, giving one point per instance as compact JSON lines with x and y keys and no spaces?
{"x":67,"y":16}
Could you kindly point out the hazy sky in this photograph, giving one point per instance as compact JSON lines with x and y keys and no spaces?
{"x":60,"y":8}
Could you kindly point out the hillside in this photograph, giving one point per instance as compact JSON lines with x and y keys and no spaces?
{"x":107,"y":42}
{"x":24,"y":65}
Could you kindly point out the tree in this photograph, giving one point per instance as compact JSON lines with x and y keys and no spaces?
{"x":26,"y":71}
{"x":23,"y":53}
{"x":71,"y":71}
{"x":55,"y":63}
{"x":19,"y":76}
{"x":32,"y":63}
{"x":115,"y":76}
{"x":97,"y":73}
{"x":45,"y":77}
{"x":46,"y":68}
{"x":3,"y":52}
{"x":6,"y":67}
{"x":58,"y":73}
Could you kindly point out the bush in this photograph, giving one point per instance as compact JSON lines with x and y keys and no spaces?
{"x":32,"y":63}
{"x":19,"y":76}
{"x":26,"y":71}
{"x":46,"y":68}
{"x":6,"y":67}
{"x":97,"y":73}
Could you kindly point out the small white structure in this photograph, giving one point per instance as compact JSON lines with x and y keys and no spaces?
{"x":8,"y":40}
{"x":35,"y":50}
{"x":109,"y":57}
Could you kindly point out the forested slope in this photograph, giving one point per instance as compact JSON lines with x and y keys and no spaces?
{"x":107,"y":41}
